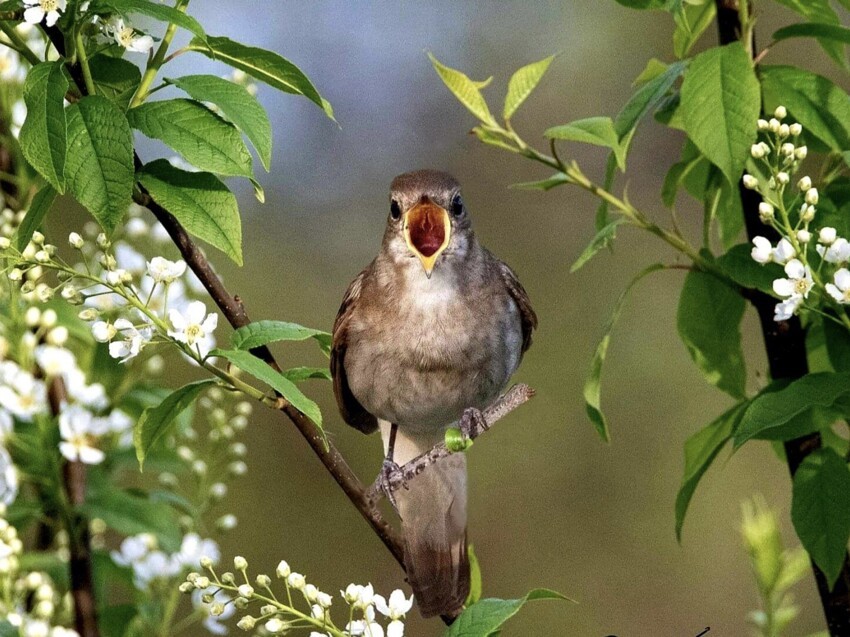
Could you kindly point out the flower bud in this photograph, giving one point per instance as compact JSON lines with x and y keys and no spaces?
{"x":16,"y":275}
{"x":202,"y":582}
{"x":186,"y":587}
{"x":246,"y":590}
{"x":827,"y":235}
{"x":757,"y":151}
{"x":283,"y":569}
{"x":216,"y":609}
{"x":32,"y":316}
{"x":237,"y":468}
{"x":804,"y":236}
{"x":49,"y":318}
{"x":780,"y":113}
{"x":787,"y":149}
{"x":246,"y":623}
{"x":805,"y":183}
{"x":240,"y":563}
{"x":275,"y":626}
{"x":296,"y":580}
{"x":311,"y":592}
{"x":773,"y":125}
{"x":228,"y":578}
{"x":42,"y":257}
{"x":765,"y":211}
{"x":784,"y":130}
{"x":5,"y":243}
{"x":58,"y":336}
{"x":796,"y":129}
{"x":88,"y":314}
{"x":102,"y":241}
{"x":218,"y":490}
{"x":782,"y":177}
{"x":762,"y":124}
{"x":324,"y":600}
{"x":750,"y":182}
{"x":812,"y":196}
{"x":801,"y":152}
{"x":807,"y":212}
{"x":75,"y":240}
{"x":263,"y":581}
{"x":37,"y":238}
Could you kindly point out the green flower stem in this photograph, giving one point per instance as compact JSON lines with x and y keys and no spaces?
{"x":157,"y":60}
{"x":19,"y":43}
{"x":84,"y":63}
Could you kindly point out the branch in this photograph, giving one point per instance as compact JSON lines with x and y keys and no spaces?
{"x":785,"y":344}
{"x":472,"y":424}
{"x":82,"y":585}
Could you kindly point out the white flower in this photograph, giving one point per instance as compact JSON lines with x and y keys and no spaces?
{"x":296,"y":580}
{"x":154,"y":565}
{"x":784,"y":251}
{"x":807,"y":212}
{"x":275,"y":626}
{"x":398,"y":605}
{"x":840,"y":291}
{"x":134,"y":549}
{"x":136,"y":228}
{"x":762,"y":251}
{"x":804,"y":236}
{"x":193,"y":548}
{"x":23,"y":395}
{"x":53,"y":360}
{"x":92,"y":396}
{"x":128,"y":37}
{"x":365,"y":597}
{"x":76,"y":428}
{"x":213,"y":623}
{"x":812,"y":196}
{"x":164,"y":271}
{"x":194,"y":325}
{"x":6,"y":425}
{"x":135,"y":340}
{"x":75,"y":240}
{"x":785,"y":310}
{"x":39,"y":9}
{"x":395,"y":628}
{"x":103,"y":331}
{"x":838,"y":252}
{"x":8,"y":478}
{"x":827,"y":235}
{"x":128,"y":258}
{"x":10,"y":66}
{"x":798,"y":283}
{"x":366,"y":627}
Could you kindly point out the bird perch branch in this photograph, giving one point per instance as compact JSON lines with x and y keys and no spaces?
{"x":472,"y":424}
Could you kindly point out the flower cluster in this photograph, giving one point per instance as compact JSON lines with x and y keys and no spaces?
{"x":230,"y":592}
{"x":142,"y":554}
{"x":791,"y":211}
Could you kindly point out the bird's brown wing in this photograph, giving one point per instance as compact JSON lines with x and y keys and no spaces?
{"x":352,"y":411}
{"x":527,"y":316}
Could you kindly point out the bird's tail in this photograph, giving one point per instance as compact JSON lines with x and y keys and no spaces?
{"x":433,"y":520}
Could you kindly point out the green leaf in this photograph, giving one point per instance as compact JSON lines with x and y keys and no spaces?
{"x":720,"y":103}
{"x":602,"y":240}
{"x":788,"y":412}
{"x":544,"y":184}
{"x":475,"y":582}
{"x":522,"y":83}
{"x":130,"y":514}
{"x":593,"y":384}
{"x":837,"y":345}
{"x":115,"y":78}
{"x":465,"y":90}
{"x":205,"y":140}
{"x":645,"y":4}
{"x":156,"y":422}
{"x":493,"y":138}
{"x":236,"y":104}
{"x":646,"y":98}
{"x":654,"y":67}
{"x":691,"y":20}
{"x":485,"y":618}
{"x":264,"y":332}
{"x":819,"y":105}
{"x":709,"y":324}
{"x":151,"y":9}
{"x":592,"y":130}
{"x":99,"y":166}
{"x":200,"y":201}
{"x":265,"y":66}
{"x":737,"y":263}
{"x":820,"y":510}
{"x":39,"y":207}
{"x":249,"y":363}
{"x":298,"y":374}
{"x":700,"y":451}
{"x":43,"y":136}
{"x":820,"y":11}
{"x":814,"y":30}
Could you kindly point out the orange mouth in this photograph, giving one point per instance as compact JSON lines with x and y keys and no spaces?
{"x":427,"y":228}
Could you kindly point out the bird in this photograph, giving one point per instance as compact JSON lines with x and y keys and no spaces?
{"x":434,"y":325}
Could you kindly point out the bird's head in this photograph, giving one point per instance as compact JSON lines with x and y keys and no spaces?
{"x":428,"y":219}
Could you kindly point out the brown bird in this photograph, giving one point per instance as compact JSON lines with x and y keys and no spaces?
{"x":434,"y":325}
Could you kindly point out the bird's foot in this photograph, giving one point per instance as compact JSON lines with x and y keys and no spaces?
{"x":472,"y":423}
{"x":389,"y":479}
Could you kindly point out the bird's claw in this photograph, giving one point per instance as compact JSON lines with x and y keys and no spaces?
{"x":388,"y":468}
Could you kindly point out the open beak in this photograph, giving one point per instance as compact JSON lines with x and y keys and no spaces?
{"x":427,"y":229}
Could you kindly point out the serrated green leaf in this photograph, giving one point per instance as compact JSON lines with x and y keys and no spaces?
{"x":205,"y":140}
{"x":39,"y":207}
{"x":265,"y":66}
{"x":43,"y":136}
{"x":788,"y":412}
{"x":115,"y":78}
{"x":737,"y":263}
{"x":593,"y":384}
{"x":99,"y":165}
{"x":601,"y":240}
{"x":592,"y":130}
{"x":464,"y":89}
{"x":820,"y":510}
{"x":720,"y":103}
{"x":820,"y":11}
{"x":486,"y":618}
{"x":813,"y":30}
{"x":691,"y":22}
{"x":156,"y":422}
{"x":236,"y":104}
{"x":837,"y":345}
{"x":298,"y":374}
{"x":264,"y":332}
{"x":700,"y":451}
{"x":522,"y":83}
{"x":544,"y":184}
{"x":155,"y":10}
{"x":814,"y":101}
{"x":709,"y":324}
{"x":200,"y":201}
{"x":249,"y":363}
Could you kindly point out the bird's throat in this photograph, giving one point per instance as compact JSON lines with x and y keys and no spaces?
{"x":427,"y":229}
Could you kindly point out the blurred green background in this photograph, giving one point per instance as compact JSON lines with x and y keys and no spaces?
{"x":551,"y":505}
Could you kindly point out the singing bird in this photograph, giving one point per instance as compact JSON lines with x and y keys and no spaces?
{"x":434,"y":325}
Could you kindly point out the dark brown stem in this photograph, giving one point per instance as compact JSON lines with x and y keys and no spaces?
{"x":785,"y":343}
{"x":82,"y":584}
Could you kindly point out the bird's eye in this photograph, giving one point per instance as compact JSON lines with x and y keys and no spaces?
{"x":457,"y":206}
{"x":395,"y":210}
